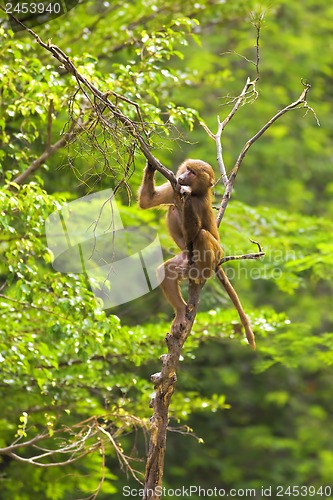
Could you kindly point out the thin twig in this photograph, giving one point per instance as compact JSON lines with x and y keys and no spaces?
{"x":221,"y":126}
{"x":32,"y":461}
{"x":245,"y":94}
{"x":257,"y":23}
{"x":300,"y":102}
{"x":228,"y":258}
{"x":258,"y":245}
{"x":131,"y":127}
{"x":24,"y":444}
{"x":121,"y":456}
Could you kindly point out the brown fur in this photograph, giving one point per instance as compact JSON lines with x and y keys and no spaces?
{"x":192,"y":225}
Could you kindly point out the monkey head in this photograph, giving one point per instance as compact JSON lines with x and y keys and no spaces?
{"x":196,"y":174}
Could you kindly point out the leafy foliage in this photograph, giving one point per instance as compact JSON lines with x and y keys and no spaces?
{"x":78,"y":376}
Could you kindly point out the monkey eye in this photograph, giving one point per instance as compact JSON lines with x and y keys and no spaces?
{"x":191,"y":171}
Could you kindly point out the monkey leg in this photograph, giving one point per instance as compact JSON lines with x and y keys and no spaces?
{"x":205,"y":255}
{"x":175,"y":269}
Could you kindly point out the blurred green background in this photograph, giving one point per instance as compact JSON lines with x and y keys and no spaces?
{"x":238,"y":419}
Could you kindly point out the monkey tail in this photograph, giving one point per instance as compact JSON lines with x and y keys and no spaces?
{"x":235,"y":300}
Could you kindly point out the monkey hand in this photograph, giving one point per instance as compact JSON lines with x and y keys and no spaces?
{"x":185,"y":191}
{"x":149,"y":167}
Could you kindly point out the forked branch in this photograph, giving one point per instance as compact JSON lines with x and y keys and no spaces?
{"x":249,"y":88}
{"x":299,"y":103}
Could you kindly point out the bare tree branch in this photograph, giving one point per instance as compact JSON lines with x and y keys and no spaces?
{"x":249,"y":90}
{"x":257,"y":255}
{"x":49,"y":151}
{"x":300,"y":102}
{"x":24,"y":444}
{"x":74,"y":447}
{"x":34,"y":460}
{"x":228,"y":258}
{"x":120,"y":454}
{"x":257,"y":20}
{"x":221,"y":126}
{"x":102,"y":99}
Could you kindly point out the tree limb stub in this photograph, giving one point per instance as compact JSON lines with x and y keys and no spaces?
{"x":245,"y":256}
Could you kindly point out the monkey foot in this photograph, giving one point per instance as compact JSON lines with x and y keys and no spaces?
{"x":178,"y":324}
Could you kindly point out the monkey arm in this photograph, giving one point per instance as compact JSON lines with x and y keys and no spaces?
{"x":150,"y":195}
{"x":191,"y":219}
